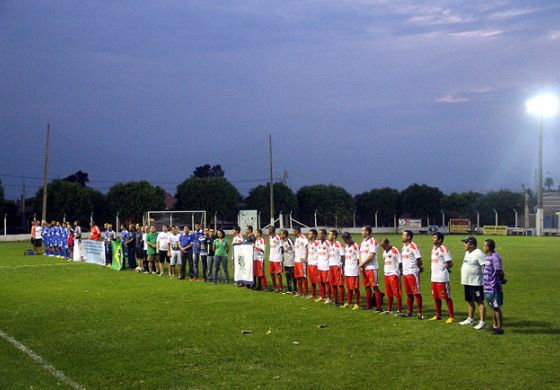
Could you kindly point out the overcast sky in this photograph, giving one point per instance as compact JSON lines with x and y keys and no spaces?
{"x":358,"y":93}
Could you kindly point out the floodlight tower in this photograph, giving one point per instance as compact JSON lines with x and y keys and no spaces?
{"x":543,"y":106}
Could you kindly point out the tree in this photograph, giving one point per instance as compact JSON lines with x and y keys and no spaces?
{"x":334,"y":204}
{"x":284,"y":199}
{"x":131,"y":200}
{"x":213,"y":194}
{"x":383,"y":200}
{"x":503,"y":201}
{"x":72,"y":199}
{"x":420,"y":201}
{"x":548,"y":183}
{"x":209,"y":171}
{"x":79,"y":177}
{"x":461,"y":204}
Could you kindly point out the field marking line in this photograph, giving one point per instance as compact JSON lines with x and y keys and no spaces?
{"x":32,"y":265}
{"x":47,"y":366}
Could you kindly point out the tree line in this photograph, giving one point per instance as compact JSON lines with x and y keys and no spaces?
{"x":208,"y":189}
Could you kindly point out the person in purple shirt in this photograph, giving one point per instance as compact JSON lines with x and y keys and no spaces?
{"x":494,"y":278}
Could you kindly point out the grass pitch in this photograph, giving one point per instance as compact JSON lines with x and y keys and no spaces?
{"x":108,"y":329}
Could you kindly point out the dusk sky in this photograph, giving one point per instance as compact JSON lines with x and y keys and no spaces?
{"x":361,"y":94}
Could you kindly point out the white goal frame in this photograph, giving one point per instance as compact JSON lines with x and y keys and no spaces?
{"x":202,"y":221}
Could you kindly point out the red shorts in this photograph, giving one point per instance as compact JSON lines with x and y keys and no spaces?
{"x":370,"y":277}
{"x":412,"y":284}
{"x":323,"y":276}
{"x":392,"y":286}
{"x":300,"y":270}
{"x":257,"y":268}
{"x":352,"y":282}
{"x":441,"y":290}
{"x":275,"y":267}
{"x":335,"y":276}
{"x":313,"y":274}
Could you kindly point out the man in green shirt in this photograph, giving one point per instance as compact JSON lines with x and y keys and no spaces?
{"x":151,"y":241}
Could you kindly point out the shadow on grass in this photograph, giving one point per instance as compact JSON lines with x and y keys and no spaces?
{"x":531,"y":327}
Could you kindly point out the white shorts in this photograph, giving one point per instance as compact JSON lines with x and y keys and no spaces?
{"x":176,"y":258}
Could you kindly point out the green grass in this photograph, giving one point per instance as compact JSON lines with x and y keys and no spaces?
{"x":108,"y":329}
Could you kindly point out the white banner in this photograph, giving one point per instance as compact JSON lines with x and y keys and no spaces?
{"x":93,"y":252}
{"x":243,"y":263}
{"x":247,"y":217}
{"x":78,"y":250}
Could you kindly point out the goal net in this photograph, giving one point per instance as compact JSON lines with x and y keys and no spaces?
{"x":178,"y":218}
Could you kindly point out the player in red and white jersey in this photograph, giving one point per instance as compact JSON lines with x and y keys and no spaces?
{"x":312,"y":262}
{"x":412,"y":267}
{"x":441,"y":266}
{"x":336,"y":261}
{"x":368,"y":264}
{"x":275,"y":259}
{"x":392,"y":269}
{"x":259,"y":248}
{"x":351,"y":270}
{"x":323,"y":249}
{"x":300,"y":262}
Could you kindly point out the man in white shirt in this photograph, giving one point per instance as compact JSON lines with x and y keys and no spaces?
{"x":300,"y":264}
{"x":473,"y":281}
{"x":162,"y":247}
{"x":275,"y":259}
{"x":174,"y":251}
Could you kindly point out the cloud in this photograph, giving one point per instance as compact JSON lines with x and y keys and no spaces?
{"x":483,"y":33}
{"x":451,"y":98}
{"x":554,"y":35}
{"x":512,"y":13}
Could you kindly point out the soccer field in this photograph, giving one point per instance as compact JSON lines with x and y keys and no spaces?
{"x":108,"y":329}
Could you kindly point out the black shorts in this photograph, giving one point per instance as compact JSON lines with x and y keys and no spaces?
{"x":163,"y":257}
{"x":38,"y":242}
{"x":474,"y":294}
{"x":140,"y":253}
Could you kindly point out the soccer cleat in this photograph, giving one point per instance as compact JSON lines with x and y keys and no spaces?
{"x":481,"y":325}
{"x":327,"y":301}
{"x":345,"y":306}
{"x":385,"y":312}
{"x":467,"y":321}
{"x":450,"y":320}
{"x":309,"y":297}
{"x":420,"y":317}
{"x":497,"y":331}
{"x":399,"y":314}
{"x":356,"y":307}
{"x":435,"y":318}
{"x":318,"y":299}
{"x":378,"y":311}
{"x":409,"y":314}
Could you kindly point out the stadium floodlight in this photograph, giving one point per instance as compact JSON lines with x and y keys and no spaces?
{"x":542,"y":106}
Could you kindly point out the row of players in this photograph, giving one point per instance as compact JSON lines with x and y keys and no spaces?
{"x":57,"y":238}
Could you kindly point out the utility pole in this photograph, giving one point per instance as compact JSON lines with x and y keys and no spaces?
{"x":22,"y":204}
{"x":46,"y":175}
{"x":271,"y":180}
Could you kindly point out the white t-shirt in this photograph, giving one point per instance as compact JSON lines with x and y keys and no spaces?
{"x":261,"y":244}
{"x":335,"y":254}
{"x":174,"y":241}
{"x":367,"y":247}
{"x":410,"y":255}
{"x":301,"y":248}
{"x":38,"y":233}
{"x":312,"y":253}
{"x":440,"y":258}
{"x":275,"y":249}
{"x":237,"y":239}
{"x":163,"y":240}
{"x":144,"y":235}
{"x":351,"y":259}
{"x":472,"y":268}
{"x":391,"y":260}
{"x":323,"y":249}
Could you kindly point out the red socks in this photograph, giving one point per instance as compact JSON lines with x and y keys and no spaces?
{"x":378,"y":298}
{"x":335,"y":293}
{"x":368,"y":298}
{"x":419,"y":303}
{"x":341,"y":291}
{"x":314,"y":290}
{"x":409,"y":303}
{"x":357,"y":297}
{"x":322,"y":290}
{"x":399,"y":303}
{"x":350,"y":296}
{"x":280,"y":281}
{"x":450,"y":307}
{"x":438,"y":307}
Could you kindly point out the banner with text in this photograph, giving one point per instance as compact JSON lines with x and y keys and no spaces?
{"x":413,"y":225}
{"x":492,"y":230}
{"x":243,"y":263}
{"x":93,"y":252}
{"x":457,"y":225}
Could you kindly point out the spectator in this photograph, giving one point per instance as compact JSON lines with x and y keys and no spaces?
{"x":139,"y":244}
{"x":203,"y":246}
{"x":174,"y":251}
{"x":210,"y":258}
{"x":151,"y":244}
{"x":163,"y":249}
{"x":130,"y":245}
{"x":186,"y":247}
{"x":196,"y":234}
{"x":95,"y":233}
{"x":221,"y":250}
{"x":473,"y":281}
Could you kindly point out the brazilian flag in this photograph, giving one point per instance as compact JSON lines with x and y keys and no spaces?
{"x":118,"y":257}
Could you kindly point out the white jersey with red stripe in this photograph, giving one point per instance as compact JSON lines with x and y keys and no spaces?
{"x":336,"y":252}
{"x":323,"y":252}
{"x":275,"y":249}
{"x":410,"y":255}
{"x":351,"y":259}
{"x":391,"y":260}
{"x":367,"y":247}
{"x":260,"y":244}
{"x":237,"y":239}
{"x":312,"y":255}
{"x":301,"y":248}
{"x":440,"y":258}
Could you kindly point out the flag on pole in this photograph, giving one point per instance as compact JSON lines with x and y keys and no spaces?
{"x":118,"y":258}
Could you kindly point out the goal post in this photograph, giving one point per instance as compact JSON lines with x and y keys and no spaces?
{"x":175,"y":218}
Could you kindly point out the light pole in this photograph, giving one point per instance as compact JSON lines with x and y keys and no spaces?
{"x":542,"y":106}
